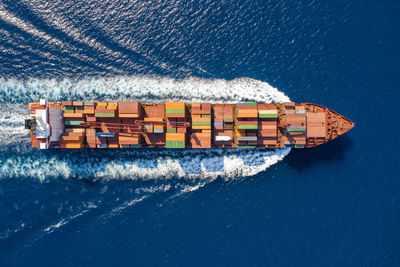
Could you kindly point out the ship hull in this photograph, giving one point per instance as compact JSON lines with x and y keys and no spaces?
{"x":178,"y":125}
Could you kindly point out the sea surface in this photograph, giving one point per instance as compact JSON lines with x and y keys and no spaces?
{"x":334,"y":205}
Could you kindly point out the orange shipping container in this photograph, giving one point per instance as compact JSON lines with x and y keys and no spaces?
{"x":175,"y":136}
{"x":113,"y":146}
{"x":71,"y":145}
{"x":73,"y":115}
{"x":202,"y":127}
{"x":154,"y":119}
{"x":174,"y":105}
{"x":128,"y":115}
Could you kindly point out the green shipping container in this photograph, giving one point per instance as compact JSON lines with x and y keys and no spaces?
{"x":175,"y":111}
{"x":200,"y":123}
{"x":245,"y":146}
{"x":175,"y":144}
{"x":228,"y":120}
{"x":295,"y":130}
{"x":268,"y":116}
{"x":247,"y":127}
{"x":68,"y":109}
{"x":171,"y":130}
{"x":206,"y":116}
{"x":251,"y":104}
{"x":135,"y":146}
{"x":107,"y":115}
{"x":72,"y":122}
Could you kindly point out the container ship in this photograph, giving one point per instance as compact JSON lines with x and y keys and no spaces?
{"x":77,"y":124}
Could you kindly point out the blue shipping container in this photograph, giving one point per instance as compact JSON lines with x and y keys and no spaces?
{"x":105,"y":134}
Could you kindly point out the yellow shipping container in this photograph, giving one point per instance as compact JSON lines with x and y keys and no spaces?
{"x":113,"y":106}
{"x":128,"y":115}
{"x":154,"y":119}
{"x":102,"y":104}
{"x":88,"y":111}
{"x":201,"y":127}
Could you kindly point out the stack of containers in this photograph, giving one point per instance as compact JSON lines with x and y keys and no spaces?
{"x":296,"y":125}
{"x":289,"y":107}
{"x":89,"y":111}
{"x":223,"y":125}
{"x":268,"y":125}
{"x":104,"y":110}
{"x":72,"y":138}
{"x":175,"y":140}
{"x":129,"y":110}
{"x":130,"y":113}
{"x":91,"y":138}
{"x":153,"y":129}
{"x":201,"y":125}
{"x":110,"y":124}
{"x":73,"y":113}
{"x":176,"y":131}
{"x":176,"y":115}
{"x":128,"y":139}
{"x":247,"y":124}
{"x":316,"y":121}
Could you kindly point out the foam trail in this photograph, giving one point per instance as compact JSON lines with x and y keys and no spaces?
{"x":65,"y":221}
{"x":142,"y":88}
{"x":144,"y":164}
{"x":12,"y":129}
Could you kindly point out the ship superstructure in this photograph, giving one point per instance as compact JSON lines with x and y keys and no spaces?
{"x":77,"y":124}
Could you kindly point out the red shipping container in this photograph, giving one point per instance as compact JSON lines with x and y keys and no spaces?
{"x":128,"y":107}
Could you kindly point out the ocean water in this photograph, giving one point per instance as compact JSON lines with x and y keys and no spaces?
{"x":334,"y":205}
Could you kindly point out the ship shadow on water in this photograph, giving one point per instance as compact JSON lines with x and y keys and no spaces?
{"x":333,"y":151}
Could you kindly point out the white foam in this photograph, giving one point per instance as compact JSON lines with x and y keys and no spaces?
{"x":234,"y":164}
{"x":12,"y":123}
{"x":65,"y":221}
{"x":142,"y":88}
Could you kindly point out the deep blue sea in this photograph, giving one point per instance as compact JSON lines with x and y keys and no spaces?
{"x":334,"y":205}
